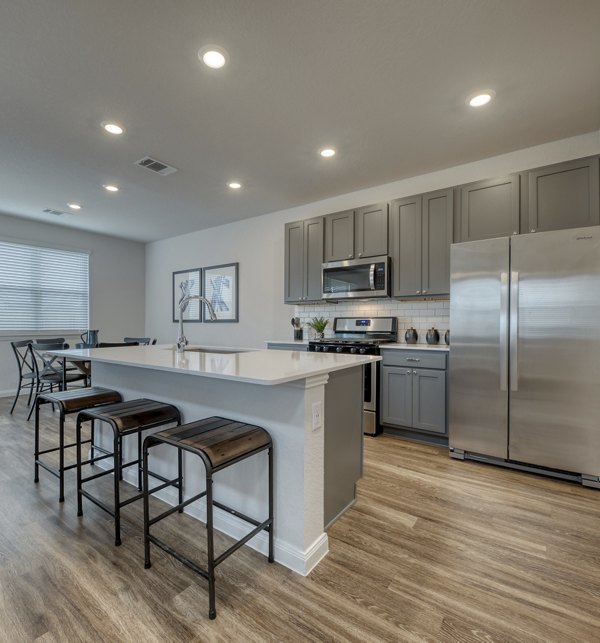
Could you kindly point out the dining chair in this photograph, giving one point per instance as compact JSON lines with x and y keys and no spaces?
{"x":142,"y":341}
{"x":27,"y":378}
{"x":49,"y":370}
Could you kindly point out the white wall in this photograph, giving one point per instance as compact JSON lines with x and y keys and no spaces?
{"x":117,"y":288}
{"x":258,"y":244}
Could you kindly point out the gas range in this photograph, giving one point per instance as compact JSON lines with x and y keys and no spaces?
{"x":362,"y":336}
{"x":357,"y":335}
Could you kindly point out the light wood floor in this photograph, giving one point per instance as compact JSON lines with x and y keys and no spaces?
{"x":435,"y":549}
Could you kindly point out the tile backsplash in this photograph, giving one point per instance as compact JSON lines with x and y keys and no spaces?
{"x":421,"y":315}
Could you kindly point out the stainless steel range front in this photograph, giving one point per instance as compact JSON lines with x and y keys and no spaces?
{"x":363,"y":336}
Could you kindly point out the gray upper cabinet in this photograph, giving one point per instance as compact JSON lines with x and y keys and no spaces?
{"x":303,"y":260}
{"x":371,"y":231}
{"x":420,"y":237}
{"x":490,"y":208}
{"x":339,"y":236}
{"x":564,"y":196}
{"x":355,"y":234}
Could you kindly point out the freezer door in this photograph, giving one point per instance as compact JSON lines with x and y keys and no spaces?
{"x":478,"y":389}
{"x":555,"y":350}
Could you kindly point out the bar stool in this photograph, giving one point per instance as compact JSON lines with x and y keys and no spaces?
{"x":220,"y":443}
{"x":68,"y":402}
{"x":125,"y":418}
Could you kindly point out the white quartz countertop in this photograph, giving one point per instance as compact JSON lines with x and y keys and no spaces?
{"x":267,"y":367}
{"x":417,"y":347}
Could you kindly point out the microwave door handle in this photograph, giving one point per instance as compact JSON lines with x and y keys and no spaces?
{"x":372,"y":276}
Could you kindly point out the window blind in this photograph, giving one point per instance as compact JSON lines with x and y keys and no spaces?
{"x":43,"y":289}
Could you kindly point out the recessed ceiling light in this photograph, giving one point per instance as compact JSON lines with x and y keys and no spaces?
{"x":111,"y":188}
{"x":112,"y":128}
{"x":234,"y":185}
{"x":74,"y":206}
{"x":213,"y":57}
{"x":327,"y":152}
{"x":481,"y":98}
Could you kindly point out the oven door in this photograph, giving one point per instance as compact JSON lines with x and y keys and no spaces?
{"x":356,"y":279}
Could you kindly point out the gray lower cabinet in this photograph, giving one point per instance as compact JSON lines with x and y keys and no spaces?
{"x":420,"y":238}
{"x":292,"y":346}
{"x":413,"y":397}
{"x":355,"y":234}
{"x":490,"y":208}
{"x":564,"y":195}
{"x":303,"y":260}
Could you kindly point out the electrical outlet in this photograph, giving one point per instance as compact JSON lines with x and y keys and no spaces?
{"x":317,"y":416}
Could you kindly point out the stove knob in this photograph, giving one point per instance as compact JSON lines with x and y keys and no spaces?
{"x":362,"y":351}
{"x":353,"y":350}
{"x":338,"y":349}
{"x":317,"y":349}
{"x":325,"y":349}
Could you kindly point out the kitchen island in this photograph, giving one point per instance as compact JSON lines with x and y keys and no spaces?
{"x":310,"y":403}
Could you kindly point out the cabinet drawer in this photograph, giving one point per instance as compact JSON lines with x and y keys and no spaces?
{"x":414,"y":358}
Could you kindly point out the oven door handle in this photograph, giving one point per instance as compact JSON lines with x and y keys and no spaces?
{"x":372,"y":276}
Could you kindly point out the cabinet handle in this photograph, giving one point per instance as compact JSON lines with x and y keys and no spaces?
{"x":414,"y":372}
{"x":424,"y":291}
{"x":515,"y":232}
{"x":408,"y":372}
{"x":532,"y":230}
{"x":360,"y":254}
{"x":418,"y":292}
{"x":350,"y":256}
{"x":413,"y":359}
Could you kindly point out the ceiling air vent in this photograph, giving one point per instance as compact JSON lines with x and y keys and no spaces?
{"x":57,"y":213}
{"x":158,"y":167}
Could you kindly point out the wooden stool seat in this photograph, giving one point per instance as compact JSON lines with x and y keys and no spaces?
{"x":125,"y":418}
{"x":70,"y":401}
{"x":134,"y":415}
{"x":79,"y":399}
{"x":220,"y":443}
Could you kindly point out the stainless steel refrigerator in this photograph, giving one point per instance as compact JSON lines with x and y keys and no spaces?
{"x":525,"y":352}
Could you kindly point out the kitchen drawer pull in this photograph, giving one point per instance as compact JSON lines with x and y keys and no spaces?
{"x":413,"y":359}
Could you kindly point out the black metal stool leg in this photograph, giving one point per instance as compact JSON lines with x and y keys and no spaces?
{"x":120,"y":468}
{"x":61,"y":457}
{"x":271,"y":552}
{"x":36,"y":447}
{"x":92,"y":439}
{"x":118,"y":460}
{"x":180,"y":476}
{"x":78,"y":450}
{"x":146,"y":499}
{"x":212,"y":612}
{"x":139,"y":456}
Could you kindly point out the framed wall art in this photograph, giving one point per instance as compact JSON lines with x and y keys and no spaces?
{"x":187,"y":282}
{"x":220,"y":287}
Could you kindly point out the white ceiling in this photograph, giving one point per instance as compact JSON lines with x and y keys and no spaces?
{"x":384,"y":81}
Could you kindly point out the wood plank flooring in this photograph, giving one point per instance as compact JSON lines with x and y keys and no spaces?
{"x":434,"y":550}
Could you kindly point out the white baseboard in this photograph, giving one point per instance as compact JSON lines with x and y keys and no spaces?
{"x":9,"y":393}
{"x":301,"y":562}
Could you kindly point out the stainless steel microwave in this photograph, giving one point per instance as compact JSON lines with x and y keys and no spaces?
{"x":357,"y":278}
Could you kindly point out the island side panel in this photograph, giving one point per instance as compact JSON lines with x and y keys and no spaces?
{"x":343,"y":440}
{"x":285,"y":411}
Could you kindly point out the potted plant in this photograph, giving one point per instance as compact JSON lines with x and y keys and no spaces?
{"x":318,"y":324}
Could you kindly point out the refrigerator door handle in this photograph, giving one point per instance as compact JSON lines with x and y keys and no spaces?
{"x":514,"y":331}
{"x":503,"y":344}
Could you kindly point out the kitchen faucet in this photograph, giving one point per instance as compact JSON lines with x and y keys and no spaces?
{"x":182,"y":341}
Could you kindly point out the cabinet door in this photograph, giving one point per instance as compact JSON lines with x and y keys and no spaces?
{"x":405,"y":236}
{"x":294,"y":262}
{"x":429,"y":400}
{"x":437,"y":222}
{"x":396,"y":396}
{"x":313,"y":269}
{"x":371,"y":233}
{"x":339,"y":236}
{"x":490,"y":208}
{"x":564,"y":196}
